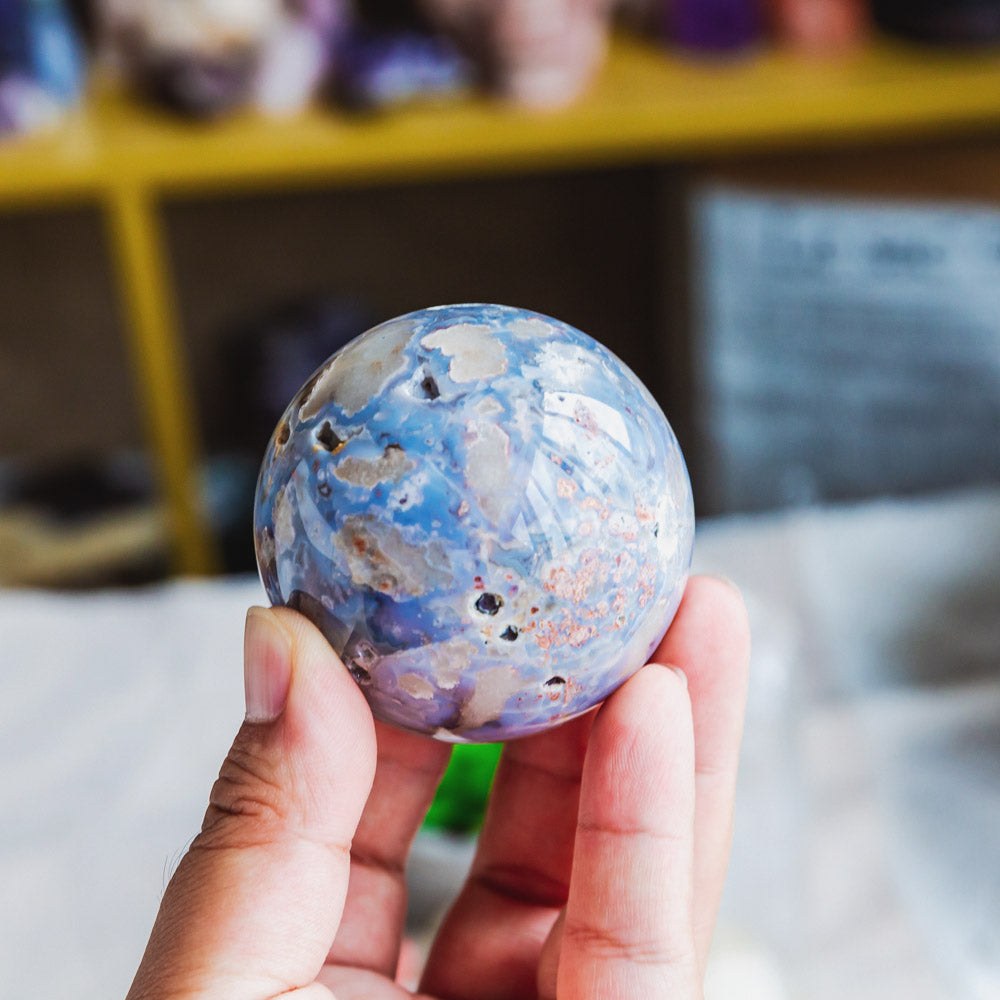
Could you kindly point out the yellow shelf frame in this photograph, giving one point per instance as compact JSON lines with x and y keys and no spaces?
{"x":648,"y":106}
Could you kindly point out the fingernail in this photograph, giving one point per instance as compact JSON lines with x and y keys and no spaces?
{"x":676,"y":671}
{"x":267,"y":666}
{"x":680,"y":673}
{"x":724,"y":579}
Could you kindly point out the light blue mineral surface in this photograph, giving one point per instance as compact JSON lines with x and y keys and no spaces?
{"x":486,"y":514}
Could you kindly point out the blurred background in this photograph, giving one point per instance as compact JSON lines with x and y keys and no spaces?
{"x":784,"y":215}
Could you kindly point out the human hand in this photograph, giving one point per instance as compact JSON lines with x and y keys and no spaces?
{"x":598,"y":871}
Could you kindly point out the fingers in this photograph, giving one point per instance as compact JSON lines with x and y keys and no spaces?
{"x":710,"y":641}
{"x":490,"y":943}
{"x":628,"y":929}
{"x":493,"y":937}
{"x":254,"y":905}
{"x":406,"y":777}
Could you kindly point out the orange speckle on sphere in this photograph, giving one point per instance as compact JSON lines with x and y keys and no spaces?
{"x":643,"y":512}
{"x":581,"y":635}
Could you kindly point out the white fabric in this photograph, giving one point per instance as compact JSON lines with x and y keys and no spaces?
{"x":867,"y":855}
{"x":116,"y":711}
{"x":866,"y":862}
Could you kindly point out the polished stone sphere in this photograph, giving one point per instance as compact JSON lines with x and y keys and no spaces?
{"x":485,"y":513}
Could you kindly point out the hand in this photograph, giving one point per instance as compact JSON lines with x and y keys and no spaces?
{"x":598,"y":871}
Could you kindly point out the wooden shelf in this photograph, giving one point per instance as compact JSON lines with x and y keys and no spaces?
{"x":648,"y":106}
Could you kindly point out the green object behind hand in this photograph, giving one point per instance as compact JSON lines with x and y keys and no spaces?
{"x":460,"y":802}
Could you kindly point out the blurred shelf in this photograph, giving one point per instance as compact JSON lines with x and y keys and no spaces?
{"x":647,"y":104}
{"x":36,"y":551}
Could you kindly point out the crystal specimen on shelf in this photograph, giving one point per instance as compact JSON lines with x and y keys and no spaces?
{"x":536,"y":53}
{"x":204,"y":58}
{"x":41,"y":64}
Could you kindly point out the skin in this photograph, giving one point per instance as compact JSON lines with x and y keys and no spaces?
{"x":598,"y":872}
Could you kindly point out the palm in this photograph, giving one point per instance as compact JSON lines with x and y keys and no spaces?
{"x":575,"y":813}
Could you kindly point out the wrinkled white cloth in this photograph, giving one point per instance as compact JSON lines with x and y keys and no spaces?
{"x":866,"y":861}
{"x":867,"y":855}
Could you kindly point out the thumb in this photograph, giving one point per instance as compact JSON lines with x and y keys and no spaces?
{"x":255,"y":904}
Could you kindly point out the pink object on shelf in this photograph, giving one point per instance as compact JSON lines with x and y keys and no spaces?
{"x":819,"y":25}
{"x":541,"y":53}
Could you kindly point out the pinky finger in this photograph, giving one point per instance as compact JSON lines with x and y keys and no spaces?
{"x":628,"y":930}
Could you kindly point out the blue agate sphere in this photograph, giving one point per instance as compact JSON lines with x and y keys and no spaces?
{"x":486,"y":514}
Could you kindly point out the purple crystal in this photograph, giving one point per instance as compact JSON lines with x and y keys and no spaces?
{"x":714,"y":25}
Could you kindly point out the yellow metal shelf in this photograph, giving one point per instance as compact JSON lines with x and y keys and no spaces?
{"x":647,"y":106}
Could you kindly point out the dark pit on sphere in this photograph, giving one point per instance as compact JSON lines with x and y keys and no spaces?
{"x":489,"y":604}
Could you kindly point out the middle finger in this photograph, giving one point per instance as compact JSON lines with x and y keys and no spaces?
{"x":407,"y":774}
{"x":489,"y":945}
